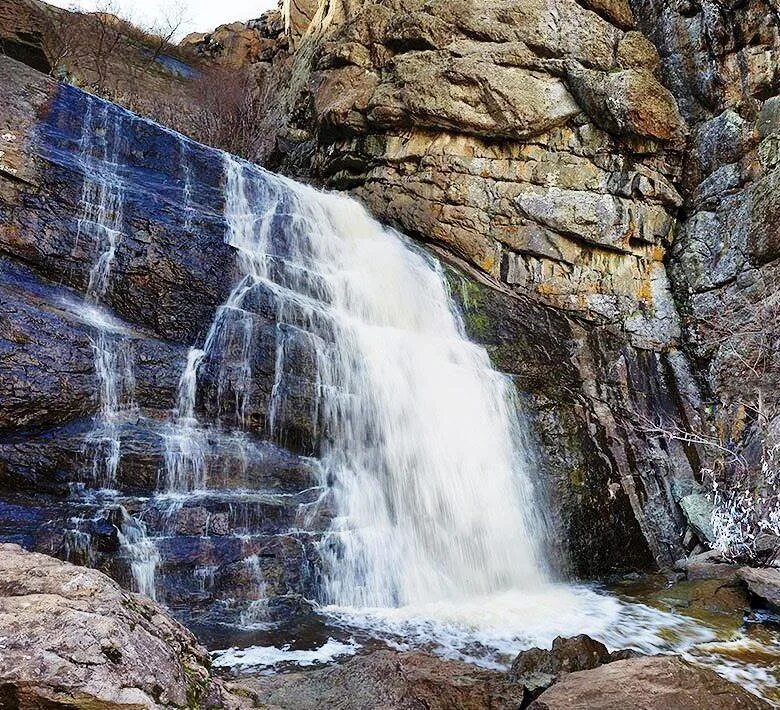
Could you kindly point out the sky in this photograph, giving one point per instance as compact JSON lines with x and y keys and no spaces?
{"x":200,"y":15}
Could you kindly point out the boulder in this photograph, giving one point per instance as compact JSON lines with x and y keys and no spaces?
{"x":72,"y":638}
{"x":537,"y":669}
{"x":763,"y":583}
{"x":389,"y":680}
{"x":647,"y":683}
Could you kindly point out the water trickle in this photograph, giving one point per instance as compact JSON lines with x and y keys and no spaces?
{"x":102,"y":220}
{"x":140,"y":553}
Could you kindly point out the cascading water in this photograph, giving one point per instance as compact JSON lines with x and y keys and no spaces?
{"x":436,"y":533}
{"x":101,"y":221}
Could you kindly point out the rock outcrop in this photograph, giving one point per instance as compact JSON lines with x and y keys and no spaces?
{"x":537,"y":669}
{"x":72,"y":638}
{"x":645,"y":684}
{"x":607,"y":165}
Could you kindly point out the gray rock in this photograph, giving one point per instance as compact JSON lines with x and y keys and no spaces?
{"x":72,"y":637}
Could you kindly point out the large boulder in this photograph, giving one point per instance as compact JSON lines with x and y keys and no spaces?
{"x":389,"y":680}
{"x":537,"y":669}
{"x":648,"y":683}
{"x":72,"y":638}
{"x":762,"y":583}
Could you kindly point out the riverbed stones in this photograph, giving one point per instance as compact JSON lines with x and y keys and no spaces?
{"x":647,"y":683}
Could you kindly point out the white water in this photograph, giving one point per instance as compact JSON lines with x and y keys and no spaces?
{"x":421,"y":437}
{"x":101,"y":221}
{"x":269,"y":656}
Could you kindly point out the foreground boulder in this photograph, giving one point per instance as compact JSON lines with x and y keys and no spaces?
{"x":537,"y":669}
{"x":647,"y":683}
{"x":763,"y":583}
{"x":72,"y":638}
{"x":389,"y":680}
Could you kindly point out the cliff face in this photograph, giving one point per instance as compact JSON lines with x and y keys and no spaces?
{"x":90,"y":383}
{"x":610,"y":164}
{"x":598,"y":174}
{"x":536,"y":144}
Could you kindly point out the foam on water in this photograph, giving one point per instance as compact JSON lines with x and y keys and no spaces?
{"x":490,"y":630}
{"x":269,"y":656}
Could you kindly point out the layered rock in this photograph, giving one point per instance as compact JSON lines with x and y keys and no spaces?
{"x":536,"y":145}
{"x":114,"y":264}
{"x":560,"y":149}
{"x":721,"y":64}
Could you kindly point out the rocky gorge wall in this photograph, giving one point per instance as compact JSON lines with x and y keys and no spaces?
{"x":598,"y":175}
{"x":608,"y":168}
{"x":114,"y":265}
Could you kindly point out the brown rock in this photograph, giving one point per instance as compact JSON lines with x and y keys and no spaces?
{"x":649,"y":683}
{"x":388,"y":680}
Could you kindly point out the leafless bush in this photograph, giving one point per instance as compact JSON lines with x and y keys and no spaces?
{"x":98,"y":46}
{"x":227,"y":105}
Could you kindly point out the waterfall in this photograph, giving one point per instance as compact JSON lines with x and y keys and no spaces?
{"x":420,"y":439}
{"x":101,"y":220}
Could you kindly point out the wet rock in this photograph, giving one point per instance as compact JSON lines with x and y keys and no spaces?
{"x":537,"y":669}
{"x":697,"y":508}
{"x":646,"y":683}
{"x":72,"y":635}
{"x":391,"y":680}
{"x":708,"y":565}
{"x":764,"y":583}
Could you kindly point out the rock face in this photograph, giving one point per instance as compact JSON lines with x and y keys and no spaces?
{"x":645,"y":684}
{"x":603,"y":162}
{"x":71,"y":637}
{"x":113,"y":264}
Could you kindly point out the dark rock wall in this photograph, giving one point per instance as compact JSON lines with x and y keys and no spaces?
{"x":721,"y":62}
{"x":69,"y":160}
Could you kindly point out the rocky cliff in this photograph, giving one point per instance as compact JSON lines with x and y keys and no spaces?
{"x":598,"y":175}
{"x":607,"y":170}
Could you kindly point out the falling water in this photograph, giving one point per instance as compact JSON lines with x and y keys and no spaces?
{"x":140,"y":553}
{"x":421,"y":438}
{"x":101,"y":220}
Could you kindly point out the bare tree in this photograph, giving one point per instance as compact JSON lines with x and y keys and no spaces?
{"x":743,"y":436}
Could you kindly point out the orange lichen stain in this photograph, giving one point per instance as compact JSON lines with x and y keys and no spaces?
{"x":645,"y":290}
{"x":657,"y":253}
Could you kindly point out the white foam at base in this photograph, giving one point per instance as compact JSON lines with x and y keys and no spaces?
{"x":269,"y":656}
{"x":489,"y":631}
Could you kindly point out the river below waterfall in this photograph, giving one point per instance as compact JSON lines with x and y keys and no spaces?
{"x":644,"y":613}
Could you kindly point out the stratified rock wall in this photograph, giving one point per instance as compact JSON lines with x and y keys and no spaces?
{"x":721,"y":62}
{"x":91,"y":372}
{"x":538,"y":144}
